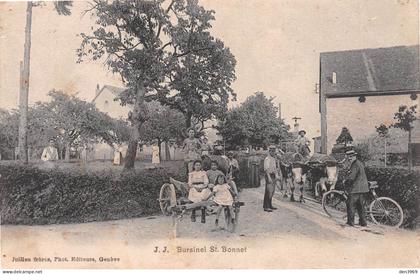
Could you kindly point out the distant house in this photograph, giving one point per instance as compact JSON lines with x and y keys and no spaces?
{"x":104,"y":100}
{"x":360,"y":89}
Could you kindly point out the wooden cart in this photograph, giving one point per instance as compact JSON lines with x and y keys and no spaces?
{"x":173,"y":202}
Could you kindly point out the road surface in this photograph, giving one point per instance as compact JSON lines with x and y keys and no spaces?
{"x":294,"y":236}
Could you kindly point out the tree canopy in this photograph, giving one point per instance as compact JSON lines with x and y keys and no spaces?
{"x":404,"y":120}
{"x":163,"y":50}
{"x":163,"y":123}
{"x":405,"y":117}
{"x":254,"y":123}
{"x":66,"y":119}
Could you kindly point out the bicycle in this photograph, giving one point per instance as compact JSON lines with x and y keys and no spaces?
{"x":382,"y":210}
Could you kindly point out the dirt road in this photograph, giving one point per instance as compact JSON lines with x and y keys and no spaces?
{"x":294,"y":236}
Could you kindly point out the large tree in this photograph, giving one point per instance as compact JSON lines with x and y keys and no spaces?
{"x":62,"y":8}
{"x":255,"y":122}
{"x":404,"y":119}
{"x":162,"y":50}
{"x":162,"y":124}
{"x":200,"y":85}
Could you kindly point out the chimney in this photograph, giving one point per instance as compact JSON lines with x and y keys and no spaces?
{"x":334,"y":77}
{"x":97,"y":90}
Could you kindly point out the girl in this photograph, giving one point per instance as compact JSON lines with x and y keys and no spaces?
{"x":199,"y":191}
{"x":222,"y":197}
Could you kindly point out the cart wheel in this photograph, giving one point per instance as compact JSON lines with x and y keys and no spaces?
{"x":228,"y":220}
{"x":334,"y":204}
{"x":385,"y":211}
{"x":167,"y":199}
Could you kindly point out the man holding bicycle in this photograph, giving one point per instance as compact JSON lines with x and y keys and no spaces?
{"x":356,"y":185}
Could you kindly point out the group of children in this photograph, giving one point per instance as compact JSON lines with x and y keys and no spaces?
{"x":211,"y":184}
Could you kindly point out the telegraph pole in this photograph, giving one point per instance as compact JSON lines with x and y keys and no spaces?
{"x":24,"y":89}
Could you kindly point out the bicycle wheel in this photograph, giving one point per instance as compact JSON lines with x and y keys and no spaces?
{"x":385,"y":211}
{"x":334,"y":204}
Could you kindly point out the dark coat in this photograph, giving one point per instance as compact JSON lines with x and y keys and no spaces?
{"x":356,"y":181}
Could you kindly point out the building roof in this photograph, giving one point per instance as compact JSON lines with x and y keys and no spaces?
{"x":379,"y":71}
{"x":114,"y":90}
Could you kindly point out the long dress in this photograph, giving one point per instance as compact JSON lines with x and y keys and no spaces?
{"x":254,"y":171}
{"x":155,"y":155}
{"x":117,"y":158}
{"x":198,"y":179}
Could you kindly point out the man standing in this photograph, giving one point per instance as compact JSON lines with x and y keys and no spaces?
{"x":356,"y":186}
{"x":272,"y":173}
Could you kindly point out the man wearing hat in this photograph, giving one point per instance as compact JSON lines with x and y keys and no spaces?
{"x":356,"y":185}
{"x":303,"y":143}
{"x":272,"y":173}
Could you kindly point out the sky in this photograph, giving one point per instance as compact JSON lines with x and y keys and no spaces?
{"x":276,"y":44}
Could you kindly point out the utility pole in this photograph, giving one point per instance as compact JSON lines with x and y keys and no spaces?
{"x":296,"y":124}
{"x":24,"y":89}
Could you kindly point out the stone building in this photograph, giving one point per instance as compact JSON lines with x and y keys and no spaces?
{"x":360,"y":89}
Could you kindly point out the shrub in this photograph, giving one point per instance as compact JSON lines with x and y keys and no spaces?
{"x":362,"y":151}
{"x":33,"y":196}
{"x":401,"y":185}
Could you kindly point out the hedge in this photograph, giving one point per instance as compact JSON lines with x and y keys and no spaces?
{"x":29,"y":195}
{"x":33,"y":196}
{"x":401,"y":185}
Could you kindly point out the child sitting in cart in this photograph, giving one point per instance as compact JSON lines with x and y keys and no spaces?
{"x":199,"y":191}
{"x":223,"y":197}
{"x":213,"y":173}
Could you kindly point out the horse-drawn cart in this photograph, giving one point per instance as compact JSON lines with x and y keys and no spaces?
{"x":173,"y":202}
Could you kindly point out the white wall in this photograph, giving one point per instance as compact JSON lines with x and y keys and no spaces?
{"x":105,"y":103}
{"x":361,"y":118}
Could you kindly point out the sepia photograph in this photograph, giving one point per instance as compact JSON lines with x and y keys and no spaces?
{"x":210,"y":134}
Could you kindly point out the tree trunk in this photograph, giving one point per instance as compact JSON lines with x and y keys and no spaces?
{"x":136,"y":122}
{"x":24,"y":89}
{"x":131,"y":154}
{"x":67,"y":155}
{"x":188,"y":117}
{"x":410,"y":154}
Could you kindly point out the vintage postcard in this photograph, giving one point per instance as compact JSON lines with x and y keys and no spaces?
{"x":216,"y":134}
